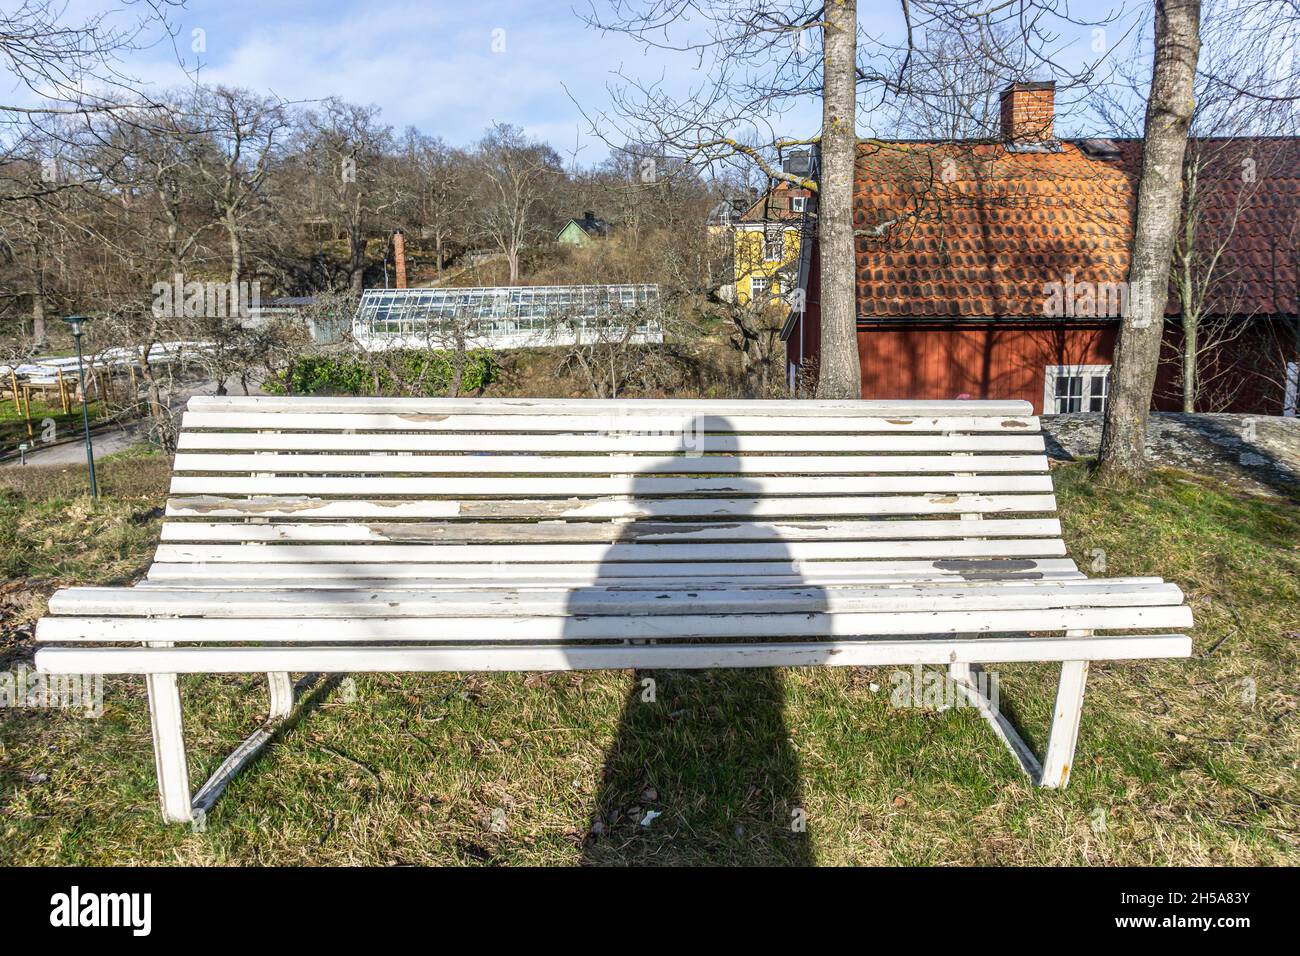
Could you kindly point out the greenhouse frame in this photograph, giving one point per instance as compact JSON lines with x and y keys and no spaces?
{"x":507,"y":317}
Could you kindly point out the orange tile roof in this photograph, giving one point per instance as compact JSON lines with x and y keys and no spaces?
{"x":977,"y":230}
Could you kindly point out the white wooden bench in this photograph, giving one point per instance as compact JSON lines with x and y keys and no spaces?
{"x":348,"y":535}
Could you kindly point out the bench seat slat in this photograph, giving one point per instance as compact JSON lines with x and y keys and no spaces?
{"x":608,"y":627}
{"x":605,"y":600}
{"x":550,"y":407}
{"x":684,"y":424}
{"x":989,"y":650}
{"x":749,"y":508}
{"x":694,"y":582}
{"x":605,"y":531}
{"x":520,"y":554}
{"x":607,"y":442}
{"x":810,"y":571}
{"x":642,"y":466}
{"x":639,"y":485}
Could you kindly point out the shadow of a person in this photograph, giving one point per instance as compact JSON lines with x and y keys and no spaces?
{"x":702,"y":769}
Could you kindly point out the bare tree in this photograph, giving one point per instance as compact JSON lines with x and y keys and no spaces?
{"x":347,"y":146}
{"x":241,"y":145}
{"x":69,"y":71}
{"x":609,"y":350}
{"x":1137,"y":352}
{"x":514,"y":176}
{"x":440,"y":199}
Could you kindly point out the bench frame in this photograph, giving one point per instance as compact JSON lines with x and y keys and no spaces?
{"x":180,"y":807}
{"x":160,"y":660}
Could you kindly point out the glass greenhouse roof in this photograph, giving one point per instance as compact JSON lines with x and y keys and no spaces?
{"x":506,"y":316}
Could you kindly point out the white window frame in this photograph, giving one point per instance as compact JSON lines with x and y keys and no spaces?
{"x":802,"y":202}
{"x":770,"y":238}
{"x":1054,"y":372}
{"x":754,"y":294}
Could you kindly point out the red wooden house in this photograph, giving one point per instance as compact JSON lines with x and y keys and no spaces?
{"x":998,"y":269}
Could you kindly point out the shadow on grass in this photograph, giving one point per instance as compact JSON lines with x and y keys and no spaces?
{"x":712,"y":756}
{"x":701,"y":769}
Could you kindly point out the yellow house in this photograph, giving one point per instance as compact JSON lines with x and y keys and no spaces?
{"x":767,"y":260}
{"x":766,"y":245}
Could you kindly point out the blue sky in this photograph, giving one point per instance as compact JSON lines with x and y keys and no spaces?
{"x":449,"y":68}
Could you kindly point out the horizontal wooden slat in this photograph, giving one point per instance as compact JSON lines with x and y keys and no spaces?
{"x":415,"y":602}
{"x":640,"y":485}
{"x":513,"y":554}
{"x":605,"y":627}
{"x":591,"y":444}
{"x":797,"y":572}
{"x":578,"y":509}
{"x":552,"y":582}
{"x":866,"y":653}
{"x":688,"y":424}
{"x":604,"y":531}
{"x":797,"y":408}
{"x":609,"y":464}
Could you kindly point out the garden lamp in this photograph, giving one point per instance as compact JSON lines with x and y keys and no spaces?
{"x":75,"y":323}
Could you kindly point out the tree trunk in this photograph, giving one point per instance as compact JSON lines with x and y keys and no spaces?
{"x":357,"y":263}
{"x":236,"y":256}
{"x":840,"y":375}
{"x":38,"y":319}
{"x":1191,"y":346}
{"x":157,"y":411}
{"x":1137,"y":353}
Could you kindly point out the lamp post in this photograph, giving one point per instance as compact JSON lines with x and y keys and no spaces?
{"x":74,"y":325}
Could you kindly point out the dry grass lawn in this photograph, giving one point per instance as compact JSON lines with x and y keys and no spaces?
{"x":1180,"y":762}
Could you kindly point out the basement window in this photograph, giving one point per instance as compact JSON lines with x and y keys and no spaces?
{"x":1075,"y":388}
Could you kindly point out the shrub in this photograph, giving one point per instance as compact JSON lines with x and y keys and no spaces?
{"x":401,"y":373}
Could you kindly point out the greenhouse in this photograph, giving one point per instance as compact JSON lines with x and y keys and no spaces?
{"x":507,"y":317}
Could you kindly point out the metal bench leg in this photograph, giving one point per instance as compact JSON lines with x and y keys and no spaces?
{"x":169,"y":747}
{"x":281,"y":692}
{"x":1054,"y":771}
{"x":965,"y":677}
{"x":1065,"y":724}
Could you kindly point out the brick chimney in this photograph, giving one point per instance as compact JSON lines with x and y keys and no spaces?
{"x":399,"y":257}
{"x":1028,"y":110}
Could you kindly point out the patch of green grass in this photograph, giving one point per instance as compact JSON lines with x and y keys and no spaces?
{"x":16,"y":427}
{"x":1179,"y":762}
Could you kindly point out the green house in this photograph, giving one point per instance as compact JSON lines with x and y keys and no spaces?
{"x":578,"y":232}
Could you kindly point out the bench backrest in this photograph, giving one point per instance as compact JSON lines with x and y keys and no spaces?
{"x":339,"y":491}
